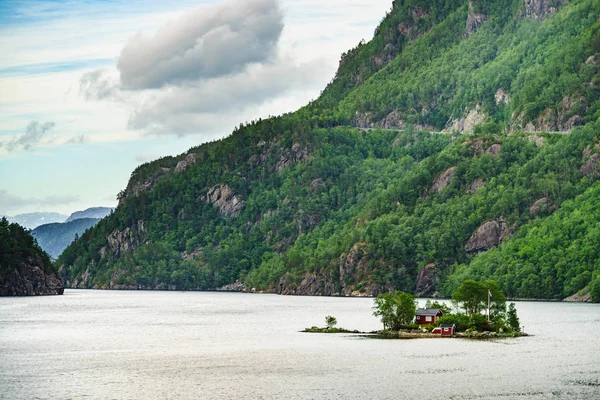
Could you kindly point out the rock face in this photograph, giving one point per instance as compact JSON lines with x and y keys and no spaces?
{"x":354,"y":279}
{"x":29,"y":278}
{"x":466,"y":124}
{"x":427,"y":281}
{"x":477,"y":183}
{"x":182,"y":165}
{"x":296,"y":154}
{"x":541,"y":9}
{"x":236,"y":286}
{"x":120,"y":242}
{"x":442,"y":180}
{"x":221,"y":196}
{"x":487,"y":236}
{"x":586,"y":298}
{"x":474,"y":20}
{"x":542,"y":205}
{"x":591,"y":161}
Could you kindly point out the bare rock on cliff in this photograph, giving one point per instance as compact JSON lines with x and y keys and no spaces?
{"x":541,"y":9}
{"x":502,"y":97}
{"x":221,"y":196}
{"x":129,"y":239}
{"x":295,"y":155}
{"x":442,"y":180}
{"x":316,"y":185}
{"x":474,"y":117}
{"x":494,"y":149}
{"x":30,"y":278}
{"x":488,"y":235}
{"x":542,"y":205}
{"x":591,"y":161}
{"x":427,"y":281}
{"x":477,"y":183}
{"x":579,"y":297}
{"x":182,"y":165}
{"x":474,"y":20}
{"x":311,"y":285}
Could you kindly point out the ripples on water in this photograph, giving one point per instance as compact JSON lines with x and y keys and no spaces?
{"x":177,"y":345}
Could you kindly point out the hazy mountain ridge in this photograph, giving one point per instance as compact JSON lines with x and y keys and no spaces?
{"x":35,"y":219}
{"x":93,"y":212}
{"x":306,"y":204}
{"x":54,"y":238}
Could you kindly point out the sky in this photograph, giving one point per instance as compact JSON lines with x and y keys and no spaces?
{"x":90,"y":89}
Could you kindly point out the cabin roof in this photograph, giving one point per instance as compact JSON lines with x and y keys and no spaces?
{"x":447,"y":326}
{"x":428,"y":311}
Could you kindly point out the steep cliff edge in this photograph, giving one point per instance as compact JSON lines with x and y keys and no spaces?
{"x":25,"y":270}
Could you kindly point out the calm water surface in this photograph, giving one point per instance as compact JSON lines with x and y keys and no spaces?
{"x":176,"y":345}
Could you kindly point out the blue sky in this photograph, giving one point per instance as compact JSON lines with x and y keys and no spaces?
{"x":88,"y":90}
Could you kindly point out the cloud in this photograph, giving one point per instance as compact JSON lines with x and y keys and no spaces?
{"x":98,"y":85}
{"x":81,"y":139}
{"x":203,"y":44}
{"x":11,"y":202}
{"x":205,"y":104}
{"x":30,"y":139}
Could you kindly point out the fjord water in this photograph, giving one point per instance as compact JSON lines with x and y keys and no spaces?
{"x":194,"y":345}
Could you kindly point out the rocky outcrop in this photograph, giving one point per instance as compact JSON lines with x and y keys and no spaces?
{"x":502,"y":97}
{"x":567,"y":115}
{"x":541,"y":9}
{"x":488,"y":235}
{"x":221,"y":196}
{"x":354,"y":278}
{"x":182,"y":165}
{"x":474,"y":117}
{"x":316,"y":185}
{"x":579,"y":297}
{"x":474,"y":20}
{"x":29,"y":277}
{"x":591,"y":161}
{"x":236,"y":286}
{"x":477,"y":183}
{"x":287,"y":158}
{"x":543,"y":205}
{"x":442,"y":180}
{"x":494,"y":149}
{"x":135,"y":186}
{"x":126,"y":240}
{"x":427,"y":280}
{"x":311,"y":285}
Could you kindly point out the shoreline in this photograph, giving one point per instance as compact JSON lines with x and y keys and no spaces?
{"x":131,"y":289}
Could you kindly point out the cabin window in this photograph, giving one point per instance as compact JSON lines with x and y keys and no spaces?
{"x":428,"y":319}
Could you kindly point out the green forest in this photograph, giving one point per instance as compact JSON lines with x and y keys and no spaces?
{"x":382,"y":183}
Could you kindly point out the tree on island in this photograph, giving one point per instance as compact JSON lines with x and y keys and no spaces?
{"x":440,"y":306}
{"x":395,"y":309}
{"x":330,"y":321}
{"x":512,"y":318}
{"x":473,"y":296}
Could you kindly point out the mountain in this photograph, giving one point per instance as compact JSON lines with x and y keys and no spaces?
{"x":463,"y":141}
{"x":54,"y":238}
{"x":33,"y":220}
{"x":25,"y":270}
{"x":94,"y":212}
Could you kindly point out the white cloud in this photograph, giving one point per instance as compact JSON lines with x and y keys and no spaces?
{"x":10,"y":202}
{"x":28,"y":141}
{"x":203,"y":44}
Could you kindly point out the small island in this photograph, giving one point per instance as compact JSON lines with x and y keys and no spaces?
{"x":402,"y":319}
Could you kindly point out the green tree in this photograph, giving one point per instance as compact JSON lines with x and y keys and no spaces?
{"x":513,"y":319}
{"x":330,"y":321}
{"x":472,"y":296}
{"x":441,"y":306}
{"x":395,"y":310}
{"x":595,"y":290}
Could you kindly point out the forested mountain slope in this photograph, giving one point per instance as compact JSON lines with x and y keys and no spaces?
{"x":312,"y":202}
{"x":25,"y":270}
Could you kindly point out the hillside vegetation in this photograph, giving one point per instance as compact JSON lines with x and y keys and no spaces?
{"x":54,"y":238}
{"x":463,"y":141}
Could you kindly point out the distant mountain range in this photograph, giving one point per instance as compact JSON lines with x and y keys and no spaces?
{"x":94,"y":212}
{"x":33,"y":220}
{"x":54,"y":237}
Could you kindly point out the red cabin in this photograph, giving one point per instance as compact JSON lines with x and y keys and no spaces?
{"x":428,"y":316}
{"x":447,"y":329}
